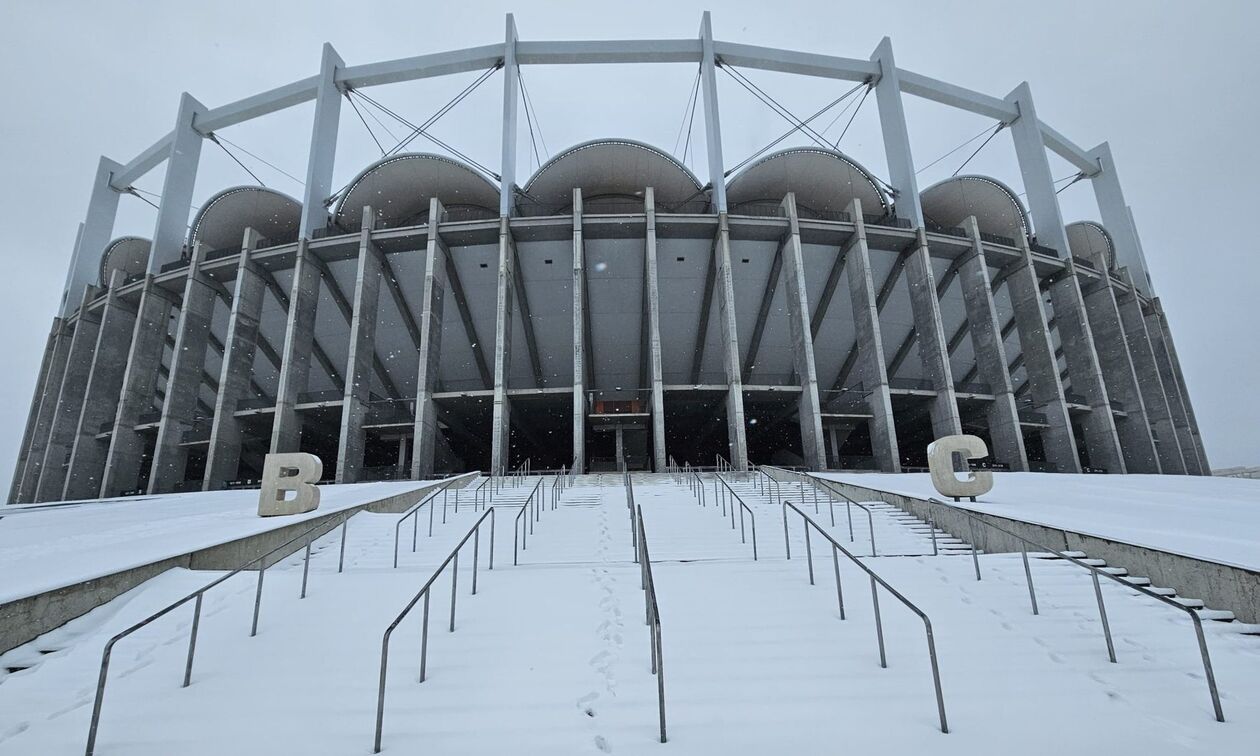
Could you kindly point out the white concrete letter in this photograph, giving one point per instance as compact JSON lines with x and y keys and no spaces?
{"x":294,"y":472}
{"x":941,"y":463}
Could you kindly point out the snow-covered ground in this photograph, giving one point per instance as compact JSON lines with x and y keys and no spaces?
{"x":552,"y":656}
{"x":44,"y":547}
{"x":1217,"y":519}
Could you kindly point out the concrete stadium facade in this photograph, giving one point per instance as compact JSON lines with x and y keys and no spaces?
{"x":610,"y":307}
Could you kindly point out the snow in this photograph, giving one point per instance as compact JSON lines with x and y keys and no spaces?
{"x":44,"y":547}
{"x":552,"y":656}
{"x":1216,"y":519}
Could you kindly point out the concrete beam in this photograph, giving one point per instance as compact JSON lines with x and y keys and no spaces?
{"x":511,"y":98}
{"x":791,"y":260}
{"x":767,"y":298}
{"x":69,"y":401}
{"x":347,"y":311}
{"x":360,"y":356}
{"x":47,"y":389}
{"x":32,"y":415}
{"x":881,"y":299}
{"x":892,"y":120}
{"x":1116,"y":218}
{"x":712,"y":119}
{"x":737,"y":442}
{"x":323,"y":152}
{"x":706,"y":306}
{"x":295,"y":364}
{"x":436,"y":264}
{"x":94,"y":235}
{"x":932,"y":351}
{"x":1169,"y":371}
{"x":655,"y":362}
{"x":581,"y":337}
{"x":501,"y":432}
{"x":171,"y":228}
{"x":1146,"y":368}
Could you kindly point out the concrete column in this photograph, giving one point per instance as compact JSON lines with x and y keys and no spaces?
{"x":177,"y":188}
{"x":991,"y":362}
{"x":712,"y":120}
{"x":1085,"y":370}
{"x":359,"y":356}
{"x":139,"y":387}
{"x":501,"y":431}
{"x":1166,"y":360}
{"x":424,"y":445}
{"x":1204,"y":467}
{"x":402,"y":454}
{"x":892,"y":120}
{"x":812,"y":443}
{"x":32,"y":415}
{"x":872,"y":366}
{"x":1146,"y":368}
{"x":223,"y":456}
{"x":1034,"y":166}
{"x":100,"y":402}
{"x":933,"y":351}
{"x":1136,"y":442}
{"x":47,"y":389}
{"x":655,"y":369}
{"x":94,"y":235}
{"x":580,"y":316}
{"x":621,"y":448}
{"x":737,"y":440}
{"x":188,"y":364}
{"x":295,"y":360}
{"x":1116,"y":217}
{"x":511,"y":98}
{"x":1045,"y":387}
{"x":319,"y":164}
{"x":65,"y":422}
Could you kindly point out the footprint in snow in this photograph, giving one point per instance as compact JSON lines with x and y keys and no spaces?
{"x":602,"y":744}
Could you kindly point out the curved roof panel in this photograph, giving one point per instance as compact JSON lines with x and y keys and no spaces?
{"x":1090,"y":241}
{"x":823,"y":180}
{"x":129,"y":254}
{"x":399,"y":187}
{"x":611,"y":168}
{"x":221,"y":222}
{"x":995,"y":206}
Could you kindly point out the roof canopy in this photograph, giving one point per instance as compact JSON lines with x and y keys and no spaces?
{"x":129,"y":254}
{"x":221,"y":222}
{"x":620,"y":168}
{"x":399,"y":187}
{"x":1090,"y":241}
{"x":995,"y":206}
{"x":823,"y":180}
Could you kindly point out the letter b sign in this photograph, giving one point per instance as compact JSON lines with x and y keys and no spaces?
{"x":285,"y":474}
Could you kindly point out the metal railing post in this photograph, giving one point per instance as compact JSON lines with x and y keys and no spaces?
{"x":192,"y":641}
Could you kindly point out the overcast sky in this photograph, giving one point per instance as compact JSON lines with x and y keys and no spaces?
{"x":1170,"y":85}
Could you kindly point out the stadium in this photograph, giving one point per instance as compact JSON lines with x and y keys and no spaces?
{"x":611,"y":310}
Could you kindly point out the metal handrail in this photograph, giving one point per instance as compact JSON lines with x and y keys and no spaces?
{"x":849,"y":503}
{"x":743,"y":508}
{"x":653,"y":620}
{"x":533,"y":506}
{"x":1095,"y":573}
{"x":697,"y":486}
{"x":415,"y":522}
{"x":453,"y":558}
{"x":196,"y":596}
{"x":876,"y":581}
{"x":481,"y":490}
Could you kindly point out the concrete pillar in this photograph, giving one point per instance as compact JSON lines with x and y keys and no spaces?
{"x":139,"y":387}
{"x":424,"y":444}
{"x":295,"y":360}
{"x":188,"y":364}
{"x":580,"y":316}
{"x":319,"y":164}
{"x":177,"y":188}
{"x":402,"y":455}
{"x":1116,"y":218}
{"x":501,"y":430}
{"x":892,"y":120}
{"x":1044,"y":384}
{"x":812,"y":443}
{"x":1146,"y":368}
{"x":1136,"y":442}
{"x":359,"y":355}
{"x":47,"y":389}
{"x":32,"y":415}
{"x":986,"y":339}
{"x":223,"y":456}
{"x":621,"y":448}
{"x":1085,"y":370}
{"x":100,"y":401}
{"x":65,"y":422}
{"x":94,"y":235}
{"x":712,"y":122}
{"x":655,"y":369}
{"x":872,"y":366}
{"x":1204,"y":467}
{"x":511,"y":98}
{"x":1034,"y":166}
{"x":1166,"y":362}
{"x":737,"y":441}
{"x":933,"y":351}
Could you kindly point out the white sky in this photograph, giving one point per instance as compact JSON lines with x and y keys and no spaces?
{"x":1168,"y":85}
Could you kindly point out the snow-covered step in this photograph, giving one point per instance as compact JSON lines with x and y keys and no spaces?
{"x":1140,"y":581}
{"x":1117,"y":571}
{"x":1217,"y":615}
{"x":1190,"y":603}
{"x":1166,"y":592}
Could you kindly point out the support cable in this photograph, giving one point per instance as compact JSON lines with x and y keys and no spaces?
{"x":270,"y":165}
{"x":529,"y":123}
{"x":691,"y":96}
{"x":959,"y":147}
{"x":804,"y":124}
{"x":1000,"y":126}
{"x":533,"y":111}
{"x":211,"y":136}
{"x":691,"y":122}
{"x":420,"y":131}
{"x":1075,"y":178}
{"x":363,"y":120}
{"x":773,"y":104}
{"x":855,"y":112}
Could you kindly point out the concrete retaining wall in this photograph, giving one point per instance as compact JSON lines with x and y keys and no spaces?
{"x":24,"y":620}
{"x":1220,"y":586}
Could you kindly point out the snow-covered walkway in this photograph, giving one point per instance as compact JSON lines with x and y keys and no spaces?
{"x":552,"y":656}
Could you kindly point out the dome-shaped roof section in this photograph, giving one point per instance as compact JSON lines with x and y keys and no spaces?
{"x":609,"y":168}
{"x":221,"y":222}
{"x":825,"y":181}
{"x":997,"y":209}
{"x":129,"y":254}
{"x":1090,"y":241}
{"x":399,"y":188}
